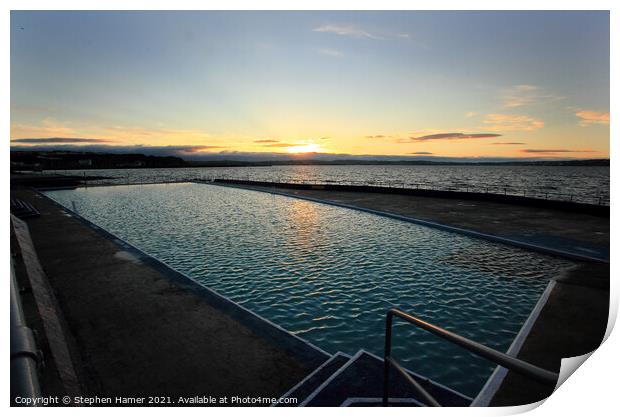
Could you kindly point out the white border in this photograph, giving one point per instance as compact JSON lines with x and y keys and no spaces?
{"x":593,"y":391}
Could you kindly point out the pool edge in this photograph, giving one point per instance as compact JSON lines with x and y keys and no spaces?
{"x":496,"y":379}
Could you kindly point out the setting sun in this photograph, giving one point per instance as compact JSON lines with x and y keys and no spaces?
{"x":308,"y":148}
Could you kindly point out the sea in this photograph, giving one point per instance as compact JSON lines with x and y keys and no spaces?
{"x":586,"y":184}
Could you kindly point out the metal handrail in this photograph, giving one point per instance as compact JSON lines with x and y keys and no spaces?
{"x":517,"y":365}
{"x":24,"y":352}
{"x":415,"y":384}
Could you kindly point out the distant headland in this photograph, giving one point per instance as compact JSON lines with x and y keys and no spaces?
{"x":50,"y":160}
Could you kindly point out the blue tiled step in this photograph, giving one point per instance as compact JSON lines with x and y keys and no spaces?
{"x":362,"y":378}
{"x":316,"y":378}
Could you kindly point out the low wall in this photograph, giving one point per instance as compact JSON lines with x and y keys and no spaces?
{"x":570,"y":206}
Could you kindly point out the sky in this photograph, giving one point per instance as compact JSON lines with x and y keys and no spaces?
{"x":415,"y":84}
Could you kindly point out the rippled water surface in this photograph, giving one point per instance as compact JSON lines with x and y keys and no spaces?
{"x":588,"y":184}
{"x":329,"y":274}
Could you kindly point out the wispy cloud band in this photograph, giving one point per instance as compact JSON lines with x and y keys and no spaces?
{"x":589,"y":117}
{"x":346,"y":30}
{"x":526,"y":94}
{"x":511,"y":122}
{"x":454,"y":136}
{"x":555,"y":151}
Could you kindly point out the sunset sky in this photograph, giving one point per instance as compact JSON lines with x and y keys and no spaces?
{"x":426,"y":84}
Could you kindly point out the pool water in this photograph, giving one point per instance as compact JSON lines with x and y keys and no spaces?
{"x":329,"y":274}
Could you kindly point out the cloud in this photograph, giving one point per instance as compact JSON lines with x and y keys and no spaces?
{"x":420,"y":153}
{"x":376,"y":136}
{"x":48,"y":127}
{"x":330,"y":52}
{"x":552,"y":151}
{"x":454,"y":136}
{"x":509,"y":143}
{"x":589,"y":117}
{"x":190,"y":148}
{"x":60,"y":140}
{"x":173,"y":150}
{"x":346,"y":30}
{"x":526,"y":94}
{"x":266,"y":141}
{"x":51,"y":128}
{"x":512,"y":122}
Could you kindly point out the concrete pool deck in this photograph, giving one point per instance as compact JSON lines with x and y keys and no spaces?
{"x":136,"y":333}
{"x":573,"y":320}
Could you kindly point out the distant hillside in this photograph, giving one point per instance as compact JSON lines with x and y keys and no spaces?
{"x":38,"y":160}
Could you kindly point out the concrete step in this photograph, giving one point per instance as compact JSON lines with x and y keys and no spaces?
{"x":362,"y":378}
{"x":378,"y":402}
{"x":23,"y":209}
{"x":310,"y":383}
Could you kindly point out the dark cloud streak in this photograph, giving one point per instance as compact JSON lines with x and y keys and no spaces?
{"x":556,"y":150}
{"x":173,"y":150}
{"x":454,"y":136}
{"x":60,"y":140}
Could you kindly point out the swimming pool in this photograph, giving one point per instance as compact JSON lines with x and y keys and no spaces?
{"x":329,"y":274}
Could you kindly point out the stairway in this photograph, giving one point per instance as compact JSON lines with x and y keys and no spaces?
{"x":344,"y":381}
{"x":23,"y":209}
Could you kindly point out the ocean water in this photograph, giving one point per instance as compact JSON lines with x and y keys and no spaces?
{"x":585,"y":184}
{"x":330,"y":274}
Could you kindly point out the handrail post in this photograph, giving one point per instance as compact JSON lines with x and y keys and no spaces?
{"x":387,"y":353}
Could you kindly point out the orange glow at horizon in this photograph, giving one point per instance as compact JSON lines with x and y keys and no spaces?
{"x":307,"y":148}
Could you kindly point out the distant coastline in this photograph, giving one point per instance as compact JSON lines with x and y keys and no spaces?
{"x":50,"y":160}
{"x":580,"y":162}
